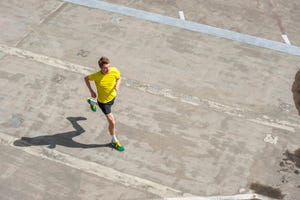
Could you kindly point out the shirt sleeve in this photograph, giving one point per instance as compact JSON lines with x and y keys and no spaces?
{"x":93,"y":76}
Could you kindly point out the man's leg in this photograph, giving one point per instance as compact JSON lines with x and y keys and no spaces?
{"x":106,"y":109}
{"x":111,"y":129}
{"x":111,"y":123}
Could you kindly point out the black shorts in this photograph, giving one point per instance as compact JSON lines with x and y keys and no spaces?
{"x":106,"y":107}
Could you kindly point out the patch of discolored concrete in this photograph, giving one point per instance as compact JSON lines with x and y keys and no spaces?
{"x":293,"y":157}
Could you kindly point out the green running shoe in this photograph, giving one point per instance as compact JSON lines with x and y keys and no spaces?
{"x":92,"y":103}
{"x":117,"y":145}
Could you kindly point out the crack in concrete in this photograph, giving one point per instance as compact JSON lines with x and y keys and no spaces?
{"x":52,"y":14}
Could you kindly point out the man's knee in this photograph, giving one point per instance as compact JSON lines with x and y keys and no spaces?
{"x":111,"y":119}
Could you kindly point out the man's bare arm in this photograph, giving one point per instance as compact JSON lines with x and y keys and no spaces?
{"x":118,"y":84}
{"x":88,"y":84}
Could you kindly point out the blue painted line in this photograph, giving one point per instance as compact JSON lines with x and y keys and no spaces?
{"x":192,"y":26}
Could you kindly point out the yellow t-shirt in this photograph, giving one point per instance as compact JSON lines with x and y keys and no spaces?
{"x":105,"y":84}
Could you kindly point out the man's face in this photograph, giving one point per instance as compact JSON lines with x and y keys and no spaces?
{"x":105,"y":68}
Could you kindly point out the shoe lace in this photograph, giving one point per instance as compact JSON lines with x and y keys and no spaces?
{"x":118,"y":144}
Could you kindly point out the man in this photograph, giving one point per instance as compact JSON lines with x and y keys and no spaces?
{"x":107,"y":82}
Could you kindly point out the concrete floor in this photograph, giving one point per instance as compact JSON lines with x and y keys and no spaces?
{"x":200,"y":116}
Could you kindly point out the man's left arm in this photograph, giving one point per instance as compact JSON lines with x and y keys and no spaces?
{"x":118,"y":82}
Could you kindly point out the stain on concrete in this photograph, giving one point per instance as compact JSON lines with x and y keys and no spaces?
{"x":37,"y":84}
{"x":285,"y":106}
{"x":83,"y":53}
{"x":292,"y":157}
{"x":180,"y":45}
{"x":42,"y":116}
{"x":2,"y":55}
{"x":266,"y":190}
{"x":11,"y":76}
{"x":15,"y":121}
{"x":116,"y":20}
{"x":58,"y":78}
{"x":2,"y":97}
{"x":289,"y":166}
{"x":225,"y":123}
{"x":113,"y":28}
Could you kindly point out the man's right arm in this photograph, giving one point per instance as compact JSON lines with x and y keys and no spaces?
{"x":88,"y":84}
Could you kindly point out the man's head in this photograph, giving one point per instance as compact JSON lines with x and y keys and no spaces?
{"x":104,"y":64}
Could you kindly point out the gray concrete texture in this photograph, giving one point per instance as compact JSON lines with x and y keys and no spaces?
{"x":199,"y":114}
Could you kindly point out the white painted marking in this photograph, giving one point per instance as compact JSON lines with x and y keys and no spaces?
{"x":233,"y":197}
{"x":270,"y":139}
{"x":273,"y":124}
{"x":286,"y":39}
{"x":45,"y":59}
{"x":181,"y":15}
{"x":168,"y":93}
{"x":242,"y":190}
{"x":95,"y":168}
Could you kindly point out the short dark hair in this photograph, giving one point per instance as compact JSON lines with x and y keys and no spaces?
{"x":103,"y":61}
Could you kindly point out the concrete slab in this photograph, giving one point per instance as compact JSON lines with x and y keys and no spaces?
{"x":24,"y":176}
{"x":267,"y":19}
{"x":174,"y":48}
{"x":18,"y":19}
{"x":197,"y":114}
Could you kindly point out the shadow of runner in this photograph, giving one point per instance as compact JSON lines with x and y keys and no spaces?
{"x":63,"y":139}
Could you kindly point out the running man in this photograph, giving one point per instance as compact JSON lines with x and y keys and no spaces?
{"x":107,"y":82}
